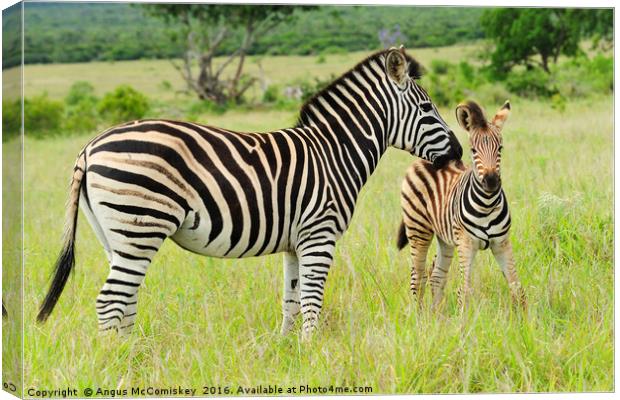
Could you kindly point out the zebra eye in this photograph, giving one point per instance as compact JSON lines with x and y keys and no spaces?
{"x":473,"y":151}
{"x":426,"y":107}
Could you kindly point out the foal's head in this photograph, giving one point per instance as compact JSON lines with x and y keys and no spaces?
{"x":485,"y":140}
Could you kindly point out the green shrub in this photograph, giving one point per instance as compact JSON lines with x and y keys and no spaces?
{"x":558,"y":102}
{"x":80,"y":92}
{"x":333,"y":50}
{"x":583,"y":77}
{"x":272,"y":94}
{"x":42,"y":116}
{"x":82,"y":117}
{"x":81,"y":114}
{"x":11,"y":118}
{"x":440,"y":67}
{"x":123,"y":104}
{"x":490,"y":94}
{"x":310,"y":88}
{"x":197,"y":108}
{"x":530,"y":83}
{"x":321,"y":59}
{"x":165,"y":85}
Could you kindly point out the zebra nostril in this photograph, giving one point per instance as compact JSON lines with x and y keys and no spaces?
{"x":491,"y":181}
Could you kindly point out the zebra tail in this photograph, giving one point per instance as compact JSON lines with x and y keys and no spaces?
{"x":66,"y":259}
{"x":402,"y":236}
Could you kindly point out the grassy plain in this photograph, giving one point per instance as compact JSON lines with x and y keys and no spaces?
{"x":147,"y":75}
{"x":210,"y":322}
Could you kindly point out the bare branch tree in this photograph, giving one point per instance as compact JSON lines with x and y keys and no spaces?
{"x":205,"y":29}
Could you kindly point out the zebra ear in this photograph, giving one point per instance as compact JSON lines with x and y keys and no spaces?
{"x":396,"y":65}
{"x":502,"y":115}
{"x":463,"y":116}
{"x":470,"y":116}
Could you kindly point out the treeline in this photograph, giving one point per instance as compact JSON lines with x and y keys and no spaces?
{"x":65,"y":32}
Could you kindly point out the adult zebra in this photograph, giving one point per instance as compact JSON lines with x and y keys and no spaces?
{"x":229,"y":194}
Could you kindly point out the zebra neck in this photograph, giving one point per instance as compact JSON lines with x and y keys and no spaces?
{"x":484,"y":215}
{"x":353,"y":134}
{"x":483,"y":203}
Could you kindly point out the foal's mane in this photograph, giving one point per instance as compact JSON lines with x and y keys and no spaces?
{"x":415,"y":71}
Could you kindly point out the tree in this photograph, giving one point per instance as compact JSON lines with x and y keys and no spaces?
{"x":530,"y":36}
{"x":204,"y":29}
{"x":599,"y":24}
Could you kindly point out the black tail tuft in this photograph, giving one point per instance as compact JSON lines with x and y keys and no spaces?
{"x":4,"y":312}
{"x":402,"y":236}
{"x":62,"y":270}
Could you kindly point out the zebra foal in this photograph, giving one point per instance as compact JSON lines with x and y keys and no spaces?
{"x":230,"y":194}
{"x":464,"y":207}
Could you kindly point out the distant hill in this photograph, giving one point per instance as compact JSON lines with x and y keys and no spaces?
{"x":80,"y":32}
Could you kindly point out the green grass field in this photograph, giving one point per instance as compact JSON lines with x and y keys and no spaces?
{"x":147,"y":75}
{"x":211,"y":322}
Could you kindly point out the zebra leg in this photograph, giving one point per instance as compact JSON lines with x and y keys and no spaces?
{"x":129,"y":318}
{"x":439,"y":274}
{"x":467,"y":253}
{"x":290,"y":299}
{"x":315,"y":260}
{"x":418,"y":246}
{"x":502,"y":251}
{"x":117,"y":300}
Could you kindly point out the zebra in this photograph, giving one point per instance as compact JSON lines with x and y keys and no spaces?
{"x":229,"y":194}
{"x":464,"y":207}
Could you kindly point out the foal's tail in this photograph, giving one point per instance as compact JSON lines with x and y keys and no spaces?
{"x":66,"y":259}
{"x":401,"y":240}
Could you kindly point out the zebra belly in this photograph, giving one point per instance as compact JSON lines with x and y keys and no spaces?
{"x":196,"y":241}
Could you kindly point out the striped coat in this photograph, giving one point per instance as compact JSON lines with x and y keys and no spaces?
{"x":463,"y":207}
{"x":223,"y":193}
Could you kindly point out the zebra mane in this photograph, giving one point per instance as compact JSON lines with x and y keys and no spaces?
{"x":415,"y":71}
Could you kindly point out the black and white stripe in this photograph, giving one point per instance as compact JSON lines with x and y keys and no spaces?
{"x":464,"y":207}
{"x":230,"y":194}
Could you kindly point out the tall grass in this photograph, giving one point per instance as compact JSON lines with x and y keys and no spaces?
{"x":205,"y":321}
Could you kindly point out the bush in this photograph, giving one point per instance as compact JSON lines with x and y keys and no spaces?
{"x":81,"y":115}
{"x":11,"y":119}
{"x":42,"y":116}
{"x":582,"y":76}
{"x":440,"y":67}
{"x":197,"y":108}
{"x":310,"y":88}
{"x":530,"y":83}
{"x":80,"y":92}
{"x":123,"y":104}
{"x":272,"y":94}
{"x":491,"y":93}
{"x":449,"y":84}
{"x":333,"y":50}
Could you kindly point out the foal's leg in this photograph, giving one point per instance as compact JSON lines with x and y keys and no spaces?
{"x":439,"y":275}
{"x":419,"y":242}
{"x":467,"y":253}
{"x":503,"y":254}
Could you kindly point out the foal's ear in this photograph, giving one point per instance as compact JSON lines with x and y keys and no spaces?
{"x":502,"y":115}
{"x":470,"y":116}
{"x":396,"y":65}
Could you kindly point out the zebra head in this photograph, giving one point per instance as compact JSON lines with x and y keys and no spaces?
{"x":485,"y":140}
{"x":418,"y":127}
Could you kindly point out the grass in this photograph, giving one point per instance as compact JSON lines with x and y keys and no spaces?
{"x":147,"y":76}
{"x":210,"y":322}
